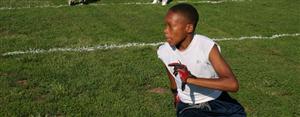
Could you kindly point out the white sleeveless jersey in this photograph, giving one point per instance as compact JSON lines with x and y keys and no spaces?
{"x":196,"y":58}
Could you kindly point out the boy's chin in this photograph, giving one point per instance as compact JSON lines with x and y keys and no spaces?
{"x":171,"y":44}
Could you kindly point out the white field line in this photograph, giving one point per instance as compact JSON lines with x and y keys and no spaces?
{"x":115,"y":46}
{"x":127,"y":3}
{"x":258,"y":37}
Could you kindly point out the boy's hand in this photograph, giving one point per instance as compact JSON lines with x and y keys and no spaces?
{"x":176,"y":100}
{"x":184,"y":73}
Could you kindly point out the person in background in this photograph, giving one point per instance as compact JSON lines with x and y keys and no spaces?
{"x":73,"y":2}
{"x":163,"y":2}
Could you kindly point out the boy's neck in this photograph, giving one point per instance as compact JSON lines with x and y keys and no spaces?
{"x":185,"y":43}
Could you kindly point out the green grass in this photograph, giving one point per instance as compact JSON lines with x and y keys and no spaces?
{"x":116,"y":82}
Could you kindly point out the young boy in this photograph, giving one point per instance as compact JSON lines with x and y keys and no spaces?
{"x":199,"y":76}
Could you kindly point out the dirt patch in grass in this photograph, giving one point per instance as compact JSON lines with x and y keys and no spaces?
{"x":158,"y":90}
{"x":40,"y":98}
{"x":4,"y":74}
{"x":22,"y":82}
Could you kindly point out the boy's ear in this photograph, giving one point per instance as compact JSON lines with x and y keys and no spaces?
{"x":189,"y":28}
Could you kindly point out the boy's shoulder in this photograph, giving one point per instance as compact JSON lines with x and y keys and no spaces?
{"x":203,"y":39}
{"x":204,"y":42}
{"x":165,"y":51}
{"x":162,"y":46}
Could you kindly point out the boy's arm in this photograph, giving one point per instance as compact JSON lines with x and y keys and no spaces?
{"x":173,"y":87}
{"x":172,"y":80}
{"x":226,"y":80}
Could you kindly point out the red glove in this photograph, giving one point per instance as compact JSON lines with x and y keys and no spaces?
{"x":184,"y":73}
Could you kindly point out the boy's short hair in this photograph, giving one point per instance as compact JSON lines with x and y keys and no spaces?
{"x":188,"y":11}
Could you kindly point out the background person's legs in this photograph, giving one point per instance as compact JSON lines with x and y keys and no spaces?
{"x":83,"y":1}
{"x":71,"y":2}
{"x":164,"y":2}
{"x":155,"y":1}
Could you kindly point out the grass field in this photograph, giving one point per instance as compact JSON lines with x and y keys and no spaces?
{"x":119,"y":81}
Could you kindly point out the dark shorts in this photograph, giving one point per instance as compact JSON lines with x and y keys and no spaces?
{"x":223,"y":106}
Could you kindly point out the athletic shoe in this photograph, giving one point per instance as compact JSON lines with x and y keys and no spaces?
{"x":83,"y":1}
{"x":155,"y":1}
{"x":71,"y":2}
{"x":164,"y":2}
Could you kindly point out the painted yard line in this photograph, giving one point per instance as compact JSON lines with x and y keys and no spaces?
{"x":128,"y":3}
{"x":82,"y":49}
{"x":114,"y":46}
{"x":258,"y":37}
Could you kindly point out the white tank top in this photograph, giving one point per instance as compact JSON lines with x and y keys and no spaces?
{"x":196,"y":58}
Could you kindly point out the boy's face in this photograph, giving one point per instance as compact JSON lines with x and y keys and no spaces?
{"x":176,"y":28}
